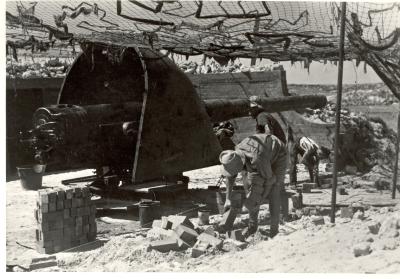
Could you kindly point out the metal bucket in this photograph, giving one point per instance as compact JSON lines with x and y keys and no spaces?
{"x":31,"y":176}
{"x":148,"y":212}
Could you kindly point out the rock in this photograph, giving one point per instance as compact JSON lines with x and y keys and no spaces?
{"x":233,"y":245}
{"x":382,"y":184}
{"x":369,"y":239}
{"x":374,"y":227}
{"x":362,"y":249}
{"x":390,"y":226}
{"x":390,"y":244}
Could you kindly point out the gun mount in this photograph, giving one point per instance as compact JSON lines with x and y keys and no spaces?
{"x":130,"y":112}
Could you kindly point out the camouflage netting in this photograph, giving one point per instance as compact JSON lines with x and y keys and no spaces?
{"x":280,"y":31}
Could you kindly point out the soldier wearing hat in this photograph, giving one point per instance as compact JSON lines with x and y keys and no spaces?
{"x":262,"y":159}
{"x":265,"y":122}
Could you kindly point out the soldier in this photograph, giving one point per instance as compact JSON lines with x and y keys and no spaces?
{"x":310,"y":153}
{"x":265,"y":122}
{"x":262,"y":159}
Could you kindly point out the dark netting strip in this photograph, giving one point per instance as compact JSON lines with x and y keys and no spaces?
{"x":275,"y":30}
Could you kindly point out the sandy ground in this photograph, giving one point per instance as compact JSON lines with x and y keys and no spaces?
{"x":300,"y":246}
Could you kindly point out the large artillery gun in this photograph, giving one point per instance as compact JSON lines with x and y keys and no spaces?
{"x":130,"y":113}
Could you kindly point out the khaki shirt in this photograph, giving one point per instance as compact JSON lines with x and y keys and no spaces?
{"x":261,"y":151}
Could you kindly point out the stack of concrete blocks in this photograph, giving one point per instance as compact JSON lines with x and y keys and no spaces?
{"x":66,"y":217}
{"x":179,"y":234}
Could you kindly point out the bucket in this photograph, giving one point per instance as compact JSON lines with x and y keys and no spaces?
{"x":148,"y":211}
{"x":204,"y":217}
{"x":31,"y":176}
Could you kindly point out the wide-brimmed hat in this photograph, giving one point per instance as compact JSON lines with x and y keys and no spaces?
{"x":231,"y":162}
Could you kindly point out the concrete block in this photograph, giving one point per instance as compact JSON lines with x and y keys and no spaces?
{"x":228,"y":218}
{"x":78,"y":230}
{"x":93,"y":209}
{"x":51,"y":216}
{"x":74,"y":212}
{"x":165,"y":245}
{"x":68,"y":203}
{"x":60,"y":205}
{"x":165,"y":223}
{"x":93,"y":227}
{"x":177,"y":220}
{"x":43,"y":197}
{"x":209,"y":230}
{"x":308,"y":186}
{"x":362,"y":249}
{"x":236,"y":235}
{"x":52,"y":207}
{"x":69,"y":193}
{"x":210,"y":239}
{"x":44,"y":250}
{"x":318,"y":220}
{"x":199,"y":249}
{"x":77,"y":192}
{"x":78,"y":221}
{"x":60,"y":195}
{"x":69,"y":222}
{"x":374,"y":227}
{"x":346,"y":212}
{"x":52,"y":196}
{"x":66,"y":213}
{"x":85,"y":220}
{"x":44,"y":207}
{"x":156,"y":224}
{"x":188,"y":235}
{"x":56,"y":225}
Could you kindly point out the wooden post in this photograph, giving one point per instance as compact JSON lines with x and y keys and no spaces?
{"x":396,"y":163}
{"x":255,"y":30}
{"x":338,"y":107}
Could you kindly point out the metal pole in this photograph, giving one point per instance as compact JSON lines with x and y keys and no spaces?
{"x":255,"y":30}
{"x":338,"y":107}
{"x":396,"y":163}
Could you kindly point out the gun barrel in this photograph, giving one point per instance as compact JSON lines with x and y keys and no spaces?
{"x":223,"y":110}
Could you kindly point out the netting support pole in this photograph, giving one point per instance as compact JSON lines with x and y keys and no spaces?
{"x":338,"y":107}
{"x":396,"y":163}
{"x":255,"y":30}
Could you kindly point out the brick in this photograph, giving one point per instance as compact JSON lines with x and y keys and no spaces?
{"x":180,"y":220}
{"x":236,"y":235}
{"x":228,"y":218}
{"x":44,"y":226}
{"x":78,"y":230}
{"x":58,"y":248}
{"x":60,"y":205}
{"x":92,"y":219}
{"x":53,"y":235}
{"x":188,"y":235}
{"x":210,"y":239}
{"x":68,"y":232}
{"x":67,"y":243}
{"x":165,"y":245}
{"x":85,"y":220}
{"x":85,"y":192}
{"x":346,"y":212}
{"x":87,"y":200}
{"x":68,"y":203}
{"x":87,"y":210}
{"x":199,"y":249}
{"x":80,"y":202}
{"x":60,"y":195}
{"x":80,"y":211}
{"x":52,"y":207}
